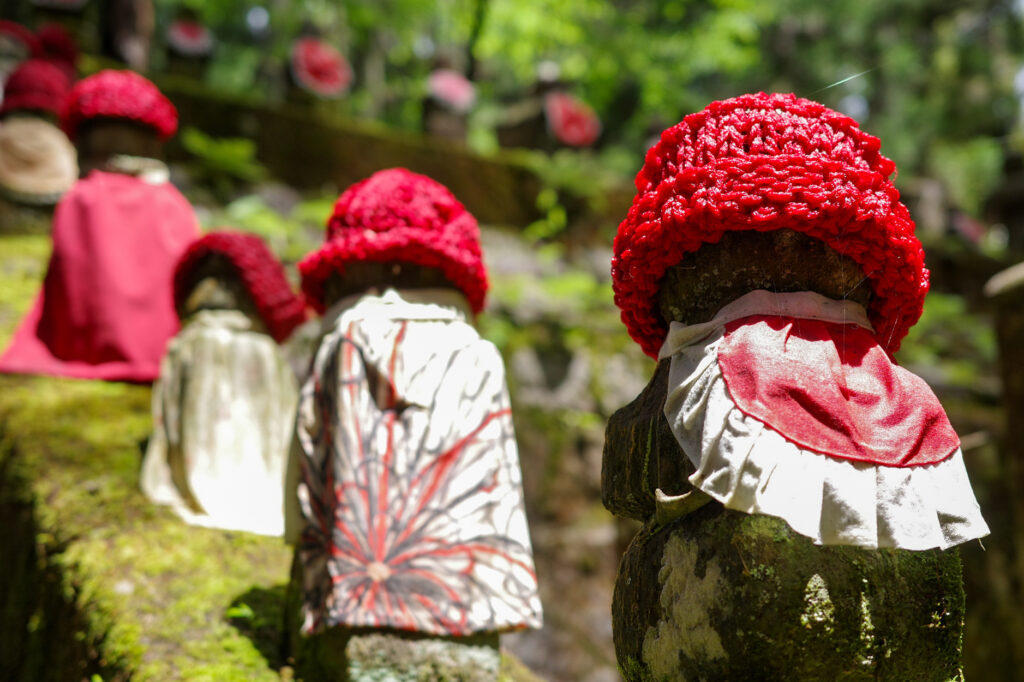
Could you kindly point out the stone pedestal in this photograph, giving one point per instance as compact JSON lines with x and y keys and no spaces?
{"x":370,"y":655}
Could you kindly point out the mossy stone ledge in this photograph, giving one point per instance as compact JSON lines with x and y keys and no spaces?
{"x":96,"y":582}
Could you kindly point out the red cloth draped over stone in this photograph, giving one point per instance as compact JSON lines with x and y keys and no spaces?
{"x":832,"y":388}
{"x":106,"y":308}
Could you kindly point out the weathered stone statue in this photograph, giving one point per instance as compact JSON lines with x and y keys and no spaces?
{"x":549,"y":117}
{"x":449,"y":99}
{"x":17,"y":43}
{"x":71,"y":15}
{"x":190,"y":44}
{"x":106,"y":308}
{"x":37,"y":161}
{"x":405,"y":493}
{"x":800,"y":492}
{"x":316,"y":69}
{"x":126,"y":31}
{"x":224,"y":405}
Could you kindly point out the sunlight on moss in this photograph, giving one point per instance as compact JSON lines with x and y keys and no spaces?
{"x":22,"y":267}
{"x":154,"y":590}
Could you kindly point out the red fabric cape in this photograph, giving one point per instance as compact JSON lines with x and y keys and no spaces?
{"x":831,"y":388}
{"x":106,"y":308}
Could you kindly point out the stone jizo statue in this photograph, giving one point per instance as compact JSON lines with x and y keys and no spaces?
{"x":407,"y":506}
{"x":37,"y":161}
{"x":224,"y":404}
{"x":800,"y":491}
{"x":106,"y":308}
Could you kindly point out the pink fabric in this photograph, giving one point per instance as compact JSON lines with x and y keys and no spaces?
{"x":106,"y":309}
{"x":831,"y":388}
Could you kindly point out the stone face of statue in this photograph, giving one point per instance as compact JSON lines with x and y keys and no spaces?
{"x":100,"y":140}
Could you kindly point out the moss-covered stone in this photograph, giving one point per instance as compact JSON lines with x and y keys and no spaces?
{"x":641,"y":455}
{"x":96,"y":580}
{"x":105,"y":582}
{"x":375,"y":655}
{"x":722,"y":595}
{"x":306,"y":149}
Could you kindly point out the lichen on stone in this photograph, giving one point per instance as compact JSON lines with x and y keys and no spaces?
{"x":687,"y":600}
{"x":818,"y":609}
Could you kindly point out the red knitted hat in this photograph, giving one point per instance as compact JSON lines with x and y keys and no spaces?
{"x":35,"y":85}
{"x":399,"y":216}
{"x":18,"y":35}
{"x":765,"y":162}
{"x":451,"y":88}
{"x":570,"y":120}
{"x":190,"y":38}
{"x":119,"y":94}
{"x":58,"y":46}
{"x":260,"y":272}
{"x":318,"y":68}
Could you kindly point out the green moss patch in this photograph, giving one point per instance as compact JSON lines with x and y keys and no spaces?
{"x":97,"y":580}
{"x":152,"y":598}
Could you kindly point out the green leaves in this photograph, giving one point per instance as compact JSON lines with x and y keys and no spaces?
{"x":221,"y":163}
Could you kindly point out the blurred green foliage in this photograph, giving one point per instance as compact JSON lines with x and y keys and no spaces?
{"x":291,"y":235}
{"x":220,"y":164}
{"x":952,"y":341}
{"x":932,"y":78}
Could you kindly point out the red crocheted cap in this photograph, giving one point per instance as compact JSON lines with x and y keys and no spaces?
{"x":766,"y":162}
{"x":399,"y":216}
{"x":260,"y":272}
{"x":119,"y":94}
{"x":10,"y":30}
{"x":36,"y":85}
{"x":58,"y":46}
{"x":570,"y":120}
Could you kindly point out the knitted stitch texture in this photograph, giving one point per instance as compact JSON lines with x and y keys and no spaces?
{"x":399,"y":216}
{"x":259,"y":271}
{"x":119,"y":94}
{"x":36,"y":85}
{"x":765,"y":162}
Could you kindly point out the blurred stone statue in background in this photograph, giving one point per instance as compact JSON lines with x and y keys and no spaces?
{"x":17,"y":44}
{"x":549,"y":116}
{"x":58,"y":46}
{"x":449,"y":99}
{"x":224,"y":405}
{"x":37,"y":161}
{"x":406,"y":503}
{"x":126,"y":31}
{"x":190,"y":44}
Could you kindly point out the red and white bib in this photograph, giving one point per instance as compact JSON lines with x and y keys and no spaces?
{"x":788,"y":406}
